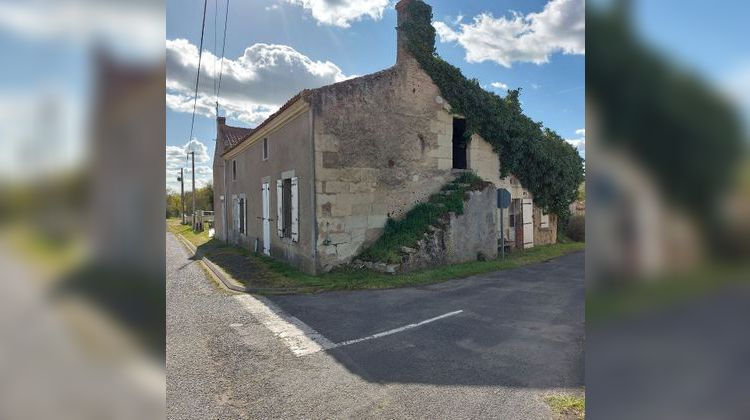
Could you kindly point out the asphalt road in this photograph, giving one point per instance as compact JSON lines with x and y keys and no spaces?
{"x":519,"y":335}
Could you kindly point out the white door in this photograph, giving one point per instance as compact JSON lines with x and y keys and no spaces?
{"x":266,"y":220}
{"x":224,"y":218}
{"x":528,"y":223}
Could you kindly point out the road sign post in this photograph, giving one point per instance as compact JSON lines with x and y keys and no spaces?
{"x":503,"y":201}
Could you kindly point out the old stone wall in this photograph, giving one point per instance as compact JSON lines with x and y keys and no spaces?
{"x":475,"y":231}
{"x":461,"y":238}
{"x":383,"y":143}
{"x":544,"y":236}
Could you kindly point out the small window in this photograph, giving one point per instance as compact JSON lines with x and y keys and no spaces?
{"x":544,"y":223}
{"x":234,"y":170}
{"x":265,"y":149}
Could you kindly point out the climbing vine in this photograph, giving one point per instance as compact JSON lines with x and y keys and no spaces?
{"x":546,"y":165}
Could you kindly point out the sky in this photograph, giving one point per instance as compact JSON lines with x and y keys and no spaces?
{"x":275,"y":48}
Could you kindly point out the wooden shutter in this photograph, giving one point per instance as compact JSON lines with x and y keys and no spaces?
{"x":295,"y":210}
{"x":280,"y":208}
{"x":528,"y":222}
{"x":235,"y":213}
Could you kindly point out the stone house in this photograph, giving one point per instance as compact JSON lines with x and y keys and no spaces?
{"x":316,"y":182}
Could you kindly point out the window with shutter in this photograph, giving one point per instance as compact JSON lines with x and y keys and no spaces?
{"x":279,"y":208}
{"x":544,"y":223}
{"x":235,"y":213}
{"x":295,"y":209}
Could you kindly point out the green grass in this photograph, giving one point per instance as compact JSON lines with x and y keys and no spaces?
{"x":264,"y":272}
{"x":409,"y":230}
{"x":634,"y":296}
{"x":567,"y":406}
{"x":197,"y":239}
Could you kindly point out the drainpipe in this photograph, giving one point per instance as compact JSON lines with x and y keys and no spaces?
{"x":313,"y":195}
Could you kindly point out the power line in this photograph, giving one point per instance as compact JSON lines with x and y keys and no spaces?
{"x":221,"y":67}
{"x":216,"y":13}
{"x":198,"y":77}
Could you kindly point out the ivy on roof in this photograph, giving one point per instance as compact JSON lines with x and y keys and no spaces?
{"x":544,"y":162}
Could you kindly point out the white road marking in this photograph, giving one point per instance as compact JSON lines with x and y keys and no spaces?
{"x":299,"y":337}
{"x":295,"y":334}
{"x":398,"y":330}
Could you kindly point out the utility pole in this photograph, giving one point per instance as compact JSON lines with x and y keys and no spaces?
{"x":182,"y":194}
{"x":193,"y":156}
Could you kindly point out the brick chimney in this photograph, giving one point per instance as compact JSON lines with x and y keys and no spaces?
{"x":402,"y":51}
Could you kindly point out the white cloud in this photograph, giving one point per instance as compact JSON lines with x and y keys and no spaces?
{"x":176,"y":158}
{"x":499,"y":85}
{"x":253,"y":86}
{"x":532,"y":38}
{"x":342,"y":13}
{"x":580,"y":142}
{"x":272,"y":7}
{"x":735,"y":85}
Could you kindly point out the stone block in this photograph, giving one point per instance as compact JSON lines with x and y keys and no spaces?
{"x":334,"y":187}
{"x":360,"y":187}
{"x":361,"y":209}
{"x":352,"y":199}
{"x":376,"y":221}
{"x":379,"y":209}
{"x":445,"y":164}
{"x":339,"y":238}
{"x":356,"y":222}
{"x":331,"y":160}
{"x":341,"y":209}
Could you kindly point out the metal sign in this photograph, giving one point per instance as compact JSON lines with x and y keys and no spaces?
{"x":503,"y":198}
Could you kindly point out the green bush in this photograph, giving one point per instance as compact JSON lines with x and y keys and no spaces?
{"x":545,"y":164}
{"x":576,"y":228}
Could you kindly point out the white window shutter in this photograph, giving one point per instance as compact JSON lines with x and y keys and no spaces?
{"x":279,"y":208}
{"x":236,"y":213}
{"x":295,"y":210}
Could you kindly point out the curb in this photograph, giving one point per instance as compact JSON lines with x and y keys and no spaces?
{"x":229,"y":282}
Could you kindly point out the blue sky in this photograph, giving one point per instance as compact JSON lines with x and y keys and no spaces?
{"x":361,"y":39}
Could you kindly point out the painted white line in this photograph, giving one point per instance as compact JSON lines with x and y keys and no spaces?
{"x":295,"y":334}
{"x":299,"y":337}
{"x":398,"y":330}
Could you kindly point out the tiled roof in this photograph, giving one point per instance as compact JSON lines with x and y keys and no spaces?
{"x":232,"y":136}
{"x":303,"y":94}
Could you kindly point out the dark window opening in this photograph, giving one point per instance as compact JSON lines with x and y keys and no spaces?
{"x":242,"y":215}
{"x":265,"y":149}
{"x":459,"y":143}
{"x":514,"y":206}
{"x":234,"y":170}
{"x":286,"y":205}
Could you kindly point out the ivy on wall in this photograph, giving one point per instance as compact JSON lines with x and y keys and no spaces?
{"x":545,"y":163}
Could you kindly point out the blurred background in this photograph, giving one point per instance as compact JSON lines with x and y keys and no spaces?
{"x":668,"y":209}
{"x":81,"y":209}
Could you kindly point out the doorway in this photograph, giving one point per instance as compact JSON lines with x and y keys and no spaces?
{"x":459,"y":143}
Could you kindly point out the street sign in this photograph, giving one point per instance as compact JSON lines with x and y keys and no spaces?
{"x":503,"y":198}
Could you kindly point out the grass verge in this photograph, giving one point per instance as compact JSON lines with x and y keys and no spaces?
{"x":628,"y":297}
{"x":567,"y":406}
{"x":263,"y":272}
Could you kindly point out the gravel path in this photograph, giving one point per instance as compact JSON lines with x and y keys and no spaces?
{"x":214,"y":372}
